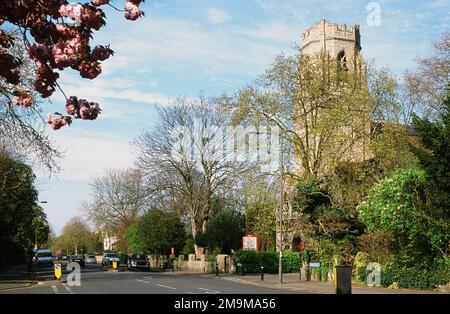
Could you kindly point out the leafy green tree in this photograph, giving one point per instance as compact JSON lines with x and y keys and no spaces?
{"x":22,"y":220}
{"x":132,"y":238}
{"x":261,"y":202}
{"x":327,"y":228}
{"x":225,"y":231}
{"x":157,"y":231}
{"x":75,"y":237}
{"x":400,"y":205}
{"x":434,"y":154}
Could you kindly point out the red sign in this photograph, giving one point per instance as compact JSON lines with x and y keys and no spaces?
{"x":172,"y":251}
{"x":250,"y":242}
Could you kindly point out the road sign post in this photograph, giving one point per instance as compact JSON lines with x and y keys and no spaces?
{"x":57,"y":268}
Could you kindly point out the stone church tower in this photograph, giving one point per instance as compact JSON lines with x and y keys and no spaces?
{"x":337,"y":42}
{"x":342,"y":46}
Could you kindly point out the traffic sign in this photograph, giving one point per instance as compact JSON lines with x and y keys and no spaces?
{"x":58,"y":270}
{"x":114,"y":264}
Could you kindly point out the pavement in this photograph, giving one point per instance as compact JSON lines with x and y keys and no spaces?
{"x":15,"y":277}
{"x":291,"y":282}
{"x":96,"y":279}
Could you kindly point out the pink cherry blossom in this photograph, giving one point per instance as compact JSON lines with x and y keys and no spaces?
{"x":24,"y":99}
{"x":132,"y":11}
{"x":89,"y":69}
{"x":38,"y":52}
{"x":101,"y":53}
{"x":56,"y":43}
{"x":99,"y":2}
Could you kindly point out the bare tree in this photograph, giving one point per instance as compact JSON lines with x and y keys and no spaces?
{"x":427,"y":86}
{"x":321,"y":109}
{"x":119,"y":198}
{"x":184,"y":160}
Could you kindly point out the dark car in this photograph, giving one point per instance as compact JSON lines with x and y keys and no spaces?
{"x":43,"y":257}
{"x":138,"y":261}
{"x":78,"y":259}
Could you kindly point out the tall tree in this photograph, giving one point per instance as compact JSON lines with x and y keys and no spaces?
{"x":427,"y":85}
{"x":322,"y":111}
{"x":183,"y":159}
{"x":22,"y":221}
{"x":75,"y":237}
{"x":119,"y":198}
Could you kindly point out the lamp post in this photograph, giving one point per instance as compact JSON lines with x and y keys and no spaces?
{"x":280,"y":259}
{"x":36,"y":229}
{"x":280,"y":217}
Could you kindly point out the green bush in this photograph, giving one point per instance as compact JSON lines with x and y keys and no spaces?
{"x":252,"y":261}
{"x":188,"y":248}
{"x":292,"y":262}
{"x":416,"y":278}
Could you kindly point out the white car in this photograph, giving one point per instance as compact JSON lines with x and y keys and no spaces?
{"x":109,"y":258}
{"x":90,"y":259}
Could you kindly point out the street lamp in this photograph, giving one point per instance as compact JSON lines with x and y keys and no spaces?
{"x":280,"y":217}
{"x":280,"y":259}
{"x":36,"y":229}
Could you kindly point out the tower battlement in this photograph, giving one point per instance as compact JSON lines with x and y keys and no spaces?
{"x":324,"y":34}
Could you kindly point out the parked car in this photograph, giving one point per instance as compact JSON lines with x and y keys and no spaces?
{"x":90,"y":259}
{"x":108,"y":258}
{"x":138,"y":261}
{"x":78,"y":259}
{"x":43,"y":257}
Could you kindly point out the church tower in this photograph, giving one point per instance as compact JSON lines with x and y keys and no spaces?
{"x":331,"y":121}
{"x":338,"y":43}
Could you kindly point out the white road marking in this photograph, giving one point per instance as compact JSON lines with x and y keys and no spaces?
{"x":147,"y":277}
{"x":68,"y":288}
{"x":167,"y":287}
{"x":234,"y":279}
{"x":210,"y":290}
{"x":142,"y":281}
{"x":55,"y":290}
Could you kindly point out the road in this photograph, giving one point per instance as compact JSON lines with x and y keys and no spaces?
{"x":96,"y":280}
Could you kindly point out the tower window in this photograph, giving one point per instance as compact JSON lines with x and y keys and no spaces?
{"x":342,"y":60}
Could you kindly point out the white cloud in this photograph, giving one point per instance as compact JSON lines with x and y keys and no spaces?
{"x":217,"y":16}
{"x":87,"y":155}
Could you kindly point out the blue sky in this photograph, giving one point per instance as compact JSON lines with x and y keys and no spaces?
{"x":186,"y":47}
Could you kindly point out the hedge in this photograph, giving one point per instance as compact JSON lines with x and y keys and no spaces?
{"x":252,"y":261}
{"x":413,"y":278}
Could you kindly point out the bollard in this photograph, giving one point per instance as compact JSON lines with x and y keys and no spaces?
{"x":262,"y":273}
{"x":217,"y":269}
